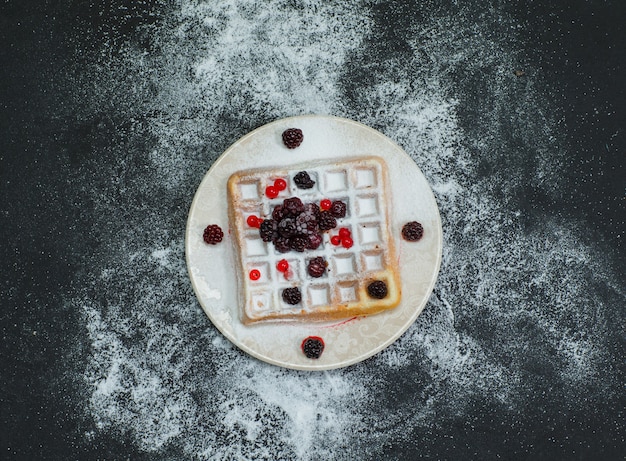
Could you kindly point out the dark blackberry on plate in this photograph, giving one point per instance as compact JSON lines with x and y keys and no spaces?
{"x":292,"y":137}
{"x":412,"y":231}
{"x":213,"y":234}
{"x":313,"y":346}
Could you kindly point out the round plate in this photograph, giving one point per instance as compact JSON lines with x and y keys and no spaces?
{"x":212,"y":268}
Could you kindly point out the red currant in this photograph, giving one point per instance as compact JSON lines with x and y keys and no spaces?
{"x":282,"y":265}
{"x":253,"y":221}
{"x":255,"y":274}
{"x":326,"y":204}
{"x":344,"y":232}
{"x":335,"y":240}
{"x":347,"y":242}
{"x":280,"y":184}
{"x":271,"y":192}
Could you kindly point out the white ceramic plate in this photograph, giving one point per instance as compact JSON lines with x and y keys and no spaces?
{"x":212,"y":267}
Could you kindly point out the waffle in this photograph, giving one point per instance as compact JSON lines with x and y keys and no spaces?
{"x":342,"y":292}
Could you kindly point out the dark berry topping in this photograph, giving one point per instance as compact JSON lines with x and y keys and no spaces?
{"x":313,"y":346}
{"x":292,"y":137}
{"x":377,"y":289}
{"x":287,"y":227}
{"x":303,"y":180}
{"x":315,"y":240}
{"x":282,"y":244}
{"x":412,"y":231}
{"x":213,"y":234}
{"x":312,"y":208}
{"x":268,"y":230}
{"x":298,"y":244}
{"x":292,"y":207}
{"x":306,"y":223}
{"x":338,"y":209}
{"x":278,"y":213}
{"x":317,"y":267}
{"x":327,"y":221}
{"x":292,"y":295}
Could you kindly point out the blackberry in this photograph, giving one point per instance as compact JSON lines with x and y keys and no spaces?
{"x":412,"y":231}
{"x":315,"y":240}
{"x":327,"y":221}
{"x":292,"y":137}
{"x":338,"y":209}
{"x":306,"y":223}
{"x":287,"y":227}
{"x":298,"y":243}
{"x":312,"y":208}
{"x":303,"y":180}
{"x":282,"y":244}
{"x":213,"y":234}
{"x":292,"y":207}
{"x":316,"y":267}
{"x":278,"y":213}
{"x":292,"y":295}
{"x":377,"y":289}
{"x":313,"y":346}
{"x":268,"y":230}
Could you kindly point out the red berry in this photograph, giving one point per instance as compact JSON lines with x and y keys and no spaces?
{"x":335,"y":240}
{"x":326,"y":204}
{"x":347,"y":242}
{"x":271,"y":192}
{"x":255,"y":274}
{"x":280,"y":184}
{"x":282,"y":265}
{"x":253,"y":221}
{"x":344,"y":232}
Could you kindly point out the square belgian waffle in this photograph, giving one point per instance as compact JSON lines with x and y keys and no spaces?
{"x":342,"y":291}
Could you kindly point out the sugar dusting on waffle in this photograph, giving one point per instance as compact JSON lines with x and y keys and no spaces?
{"x":341,"y":291}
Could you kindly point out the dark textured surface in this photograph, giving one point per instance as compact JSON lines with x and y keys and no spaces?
{"x":113,"y":111}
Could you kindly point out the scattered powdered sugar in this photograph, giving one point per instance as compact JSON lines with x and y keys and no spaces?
{"x":514,"y":303}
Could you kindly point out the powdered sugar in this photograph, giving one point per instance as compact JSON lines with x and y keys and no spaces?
{"x":515,"y":300}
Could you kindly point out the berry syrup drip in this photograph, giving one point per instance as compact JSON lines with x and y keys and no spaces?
{"x":312,"y":347}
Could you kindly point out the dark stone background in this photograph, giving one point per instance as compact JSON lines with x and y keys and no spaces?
{"x":60,"y":142}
